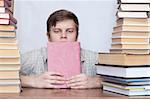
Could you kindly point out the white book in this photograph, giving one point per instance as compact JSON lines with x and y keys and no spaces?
{"x":4,"y":16}
{"x":2,"y":10}
{"x":132,"y":14}
{"x":4,"y":21}
{"x":134,"y":7}
{"x":134,"y":1}
{"x":126,"y":72}
{"x":9,"y":82}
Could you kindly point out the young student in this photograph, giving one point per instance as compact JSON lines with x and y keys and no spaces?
{"x":62,"y":26}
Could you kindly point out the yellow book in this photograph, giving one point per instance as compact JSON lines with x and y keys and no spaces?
{"x":130,"y":46}
{"x":9,"y":74}
{"x":8,"y":61}
{"x":9,"y":53}
{"x":133,"y":22}
{"x":124,"y":59}
{"x":130,"y":40}
{"x":131,"y":28}
{"x":132,"y":34}
{"x":9,"y":67}
{"x":134,"y":7}
{"x":7,"y":34}
{"x":10,"y":89}
{"x":130,"y":51}
{"x":7,"y":28}
{"x":8,"y":46}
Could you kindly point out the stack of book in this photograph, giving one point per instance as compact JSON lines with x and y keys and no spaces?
{"x":132,"y":31}
{"x":9,"y":51}
{"x":125,"y":69}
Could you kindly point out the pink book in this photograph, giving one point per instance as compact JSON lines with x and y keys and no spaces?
{"x":64,"y":58}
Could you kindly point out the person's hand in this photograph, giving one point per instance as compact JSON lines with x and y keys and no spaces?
{"x":83,"y":81}
{"x":48,"y":80}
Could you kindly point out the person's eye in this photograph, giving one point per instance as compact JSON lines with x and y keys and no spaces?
{"x":56,"y":31}
{"x":70,"y":31}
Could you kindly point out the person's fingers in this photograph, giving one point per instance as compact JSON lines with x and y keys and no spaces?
{"x":51,"y":75}
{"x":76,"y":84}
{"x":54,"y":82}
{"x":57,"y":78}
{"x":50,"y":86}
{"x":74,"y":80}
{"x":54,"y":73}
{"x":78,"y":78}
{"x":45,"y":84}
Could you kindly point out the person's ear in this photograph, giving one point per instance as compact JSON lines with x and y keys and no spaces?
{"x":48,"y":36}
{"x":77,"y":36}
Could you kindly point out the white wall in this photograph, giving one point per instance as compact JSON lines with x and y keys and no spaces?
{"x":96,"y":18}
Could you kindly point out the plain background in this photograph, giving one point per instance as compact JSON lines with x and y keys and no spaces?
{"x":96,"y":19}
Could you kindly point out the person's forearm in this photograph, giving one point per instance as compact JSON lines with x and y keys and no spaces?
{"x":27,"y":81}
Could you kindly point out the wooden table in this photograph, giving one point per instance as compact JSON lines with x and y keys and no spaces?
{"x":32,"y":93}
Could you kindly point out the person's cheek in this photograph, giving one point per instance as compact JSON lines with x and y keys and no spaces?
{"x":73,"y":38}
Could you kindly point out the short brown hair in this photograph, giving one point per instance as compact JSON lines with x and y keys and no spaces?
{"x":61,"y":15}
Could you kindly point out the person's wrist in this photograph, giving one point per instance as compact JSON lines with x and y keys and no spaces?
{"x":33,"y":81}
{"x":98,"y":82}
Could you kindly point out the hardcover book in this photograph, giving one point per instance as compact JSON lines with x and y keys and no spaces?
{"x":64,"y":58}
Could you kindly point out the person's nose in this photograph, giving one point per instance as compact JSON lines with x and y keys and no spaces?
{"x":64,"y":34}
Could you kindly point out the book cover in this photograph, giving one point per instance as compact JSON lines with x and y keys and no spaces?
{"x":64,"y":58}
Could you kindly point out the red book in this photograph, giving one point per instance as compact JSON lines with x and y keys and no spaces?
{"x":64,"y":58}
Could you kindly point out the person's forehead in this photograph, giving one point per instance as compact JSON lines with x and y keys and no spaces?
{"x":65,"y":23}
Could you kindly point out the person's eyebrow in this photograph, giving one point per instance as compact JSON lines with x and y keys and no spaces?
{"x":56,"y":28}
{"x":70,"y":28}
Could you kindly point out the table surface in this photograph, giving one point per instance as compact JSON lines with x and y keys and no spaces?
{"x":32,"y":93}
